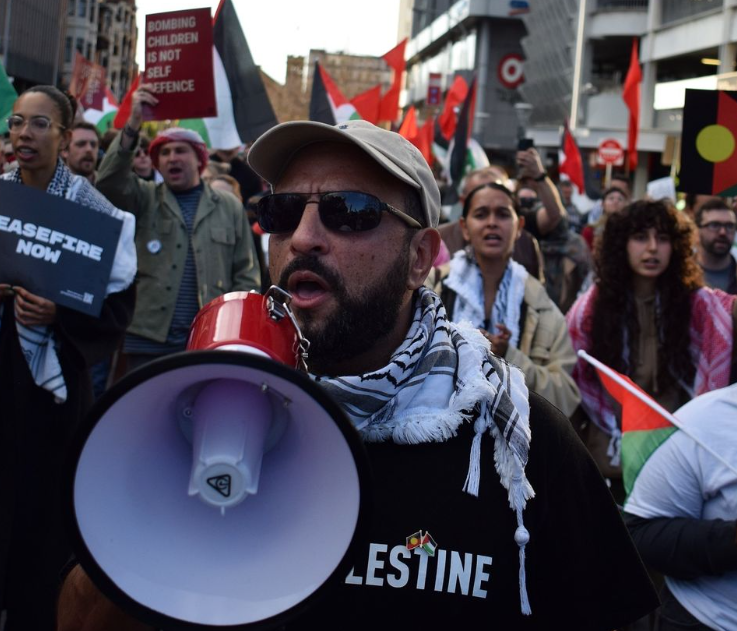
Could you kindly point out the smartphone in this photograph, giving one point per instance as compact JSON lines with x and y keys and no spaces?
{"x":524,"y":144}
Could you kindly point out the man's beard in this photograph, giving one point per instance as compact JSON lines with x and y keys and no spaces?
{"x":357,"y":323}
{"x":720,"y":249}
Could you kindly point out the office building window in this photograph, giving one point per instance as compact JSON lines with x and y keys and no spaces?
{"x":82,"y":8}
{"x":70,"y":7}
{"x":68,"y":50}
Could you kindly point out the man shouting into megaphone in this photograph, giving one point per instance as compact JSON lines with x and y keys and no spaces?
{"x":487,"y":508}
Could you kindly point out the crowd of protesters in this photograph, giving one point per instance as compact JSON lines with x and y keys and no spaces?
{"x":646,"y":288}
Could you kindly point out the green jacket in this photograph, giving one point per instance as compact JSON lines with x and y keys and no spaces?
{"x":224,"y":253}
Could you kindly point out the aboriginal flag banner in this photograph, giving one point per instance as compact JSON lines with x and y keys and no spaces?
{"x":709,"y":146}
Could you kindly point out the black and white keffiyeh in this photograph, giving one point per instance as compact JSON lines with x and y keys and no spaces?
{"x":465,"y":279}
{"x":38,"y":343}
{"x":441,"y":376}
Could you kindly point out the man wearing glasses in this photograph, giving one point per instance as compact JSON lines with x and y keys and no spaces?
{"x":717,"y":222}
{"x":507,"y":542}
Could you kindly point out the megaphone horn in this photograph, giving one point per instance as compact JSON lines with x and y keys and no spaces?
{"x":219,"y":489}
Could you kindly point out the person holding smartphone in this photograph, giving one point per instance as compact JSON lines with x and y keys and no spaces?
{"x":545,"y":217}
{"x":566,"y":256}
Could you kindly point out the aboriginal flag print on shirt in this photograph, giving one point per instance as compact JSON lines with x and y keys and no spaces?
{"x":709,"y":145}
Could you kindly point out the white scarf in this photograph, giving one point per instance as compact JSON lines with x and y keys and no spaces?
{"x":435,"y":380}
{"x":38,"y":342}
{"x":466,"y":281}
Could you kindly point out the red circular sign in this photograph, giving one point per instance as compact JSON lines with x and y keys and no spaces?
{"x":510,"y":70}
{"x":610,"y":151}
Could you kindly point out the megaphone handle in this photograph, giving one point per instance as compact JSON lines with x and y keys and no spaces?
{"x":277,"y":304}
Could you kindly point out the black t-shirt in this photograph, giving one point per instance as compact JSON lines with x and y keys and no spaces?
{"x":582,"y":568}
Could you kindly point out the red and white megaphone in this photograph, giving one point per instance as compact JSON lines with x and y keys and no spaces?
{"x":217,"y":489}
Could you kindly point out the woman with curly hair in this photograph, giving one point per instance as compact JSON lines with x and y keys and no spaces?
{"x":649,"y":316}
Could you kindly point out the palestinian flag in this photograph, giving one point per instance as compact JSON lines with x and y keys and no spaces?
{"x":708,"y":145}
{"x":244,"y":109}
{"x":645,"y":424}
{"x":428,"y":544}
{"x":103,"y":119}
{"x":327,"y":103}
{"x":8,"y":95}
{"x":414,"y":540}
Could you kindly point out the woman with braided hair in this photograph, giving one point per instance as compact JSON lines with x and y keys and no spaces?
{"x":649,"y":316}
{"x":45,"y":354}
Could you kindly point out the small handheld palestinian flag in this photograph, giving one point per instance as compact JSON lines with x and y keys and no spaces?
{"x":428,"y":544}
{"x":645,"y":424}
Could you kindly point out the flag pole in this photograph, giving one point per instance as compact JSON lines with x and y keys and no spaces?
{"x":614,"y":375}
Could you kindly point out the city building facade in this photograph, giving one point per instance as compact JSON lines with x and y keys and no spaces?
{"x":580,"y":74}
{"x":467,"y":38}
{"x":575,"y":54}
{"x":103,"y":31}
{"x":31,"y":40}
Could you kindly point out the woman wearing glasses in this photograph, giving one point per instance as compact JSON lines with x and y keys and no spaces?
{"x":485,"y":286}
{"x":45,"y":352}
{"x":649,"y":316}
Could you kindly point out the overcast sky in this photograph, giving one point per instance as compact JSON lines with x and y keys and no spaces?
{"x":277,"y":28}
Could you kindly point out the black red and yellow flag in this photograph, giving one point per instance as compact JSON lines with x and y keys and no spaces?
{"x":709,"y":143}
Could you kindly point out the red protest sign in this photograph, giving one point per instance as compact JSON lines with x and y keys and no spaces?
{"x":88,"y":83}
{"x":179,"y":64}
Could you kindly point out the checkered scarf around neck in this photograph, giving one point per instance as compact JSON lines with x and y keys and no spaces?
{"x":38,"y":343}
{"x":443,"y":375}
{"x":466,"y":281}
{"x":711,"y":337}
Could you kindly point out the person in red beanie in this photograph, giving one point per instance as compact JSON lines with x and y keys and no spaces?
{"x":194,"y":244}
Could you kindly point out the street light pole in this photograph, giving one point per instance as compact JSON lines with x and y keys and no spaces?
{"x":577,"y":63}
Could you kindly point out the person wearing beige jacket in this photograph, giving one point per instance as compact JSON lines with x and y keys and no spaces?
{"x":483,"y":285}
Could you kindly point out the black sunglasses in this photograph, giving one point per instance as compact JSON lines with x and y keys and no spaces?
{"x":342,"y":211}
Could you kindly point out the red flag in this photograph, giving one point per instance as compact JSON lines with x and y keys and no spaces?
{"x":456,"y":95}
{"x":408,"y":128}
{"x":571,"y":164}
{"x":423,"y":140}
{"x":395,"y":57}
{"x":389,"y":108}
{"x":367,"y":104}
{"x":121,"y":117}
{"x":631,"y":96}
